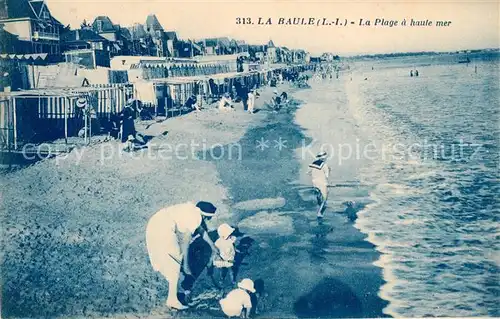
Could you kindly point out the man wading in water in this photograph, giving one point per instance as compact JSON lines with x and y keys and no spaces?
{"x":320,"y":173}
{"x":168,"y":235}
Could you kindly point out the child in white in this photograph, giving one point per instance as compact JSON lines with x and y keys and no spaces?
{"x":251,"y":101}
{"x":238,"y":302}
{"x":227,"y":251}
{"x":199,"y":102}
{"x":252,"y":95}
{"x":225,"y":100}
{"x":320,"y":173}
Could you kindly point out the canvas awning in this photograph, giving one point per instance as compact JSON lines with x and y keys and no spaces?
{"x":25,"y":57}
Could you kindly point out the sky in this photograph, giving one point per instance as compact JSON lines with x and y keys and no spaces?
{"x":474,"y":24}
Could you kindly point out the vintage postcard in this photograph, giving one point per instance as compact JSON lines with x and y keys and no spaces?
{"x":249,"y":159}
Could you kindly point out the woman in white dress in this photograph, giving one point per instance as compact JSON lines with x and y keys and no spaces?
{"x":168,"y":236}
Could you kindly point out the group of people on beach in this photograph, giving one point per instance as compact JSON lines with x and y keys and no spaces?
{"x":248,"y":101}
{"x":171,"y":231}
{"x":169,"y":234}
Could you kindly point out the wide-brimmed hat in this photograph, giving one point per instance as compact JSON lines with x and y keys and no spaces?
{"x":247,"y":284}
{"x":275,"y":91}
{"x":206,"y":208}
{"x":224,"y":231}
{"x":321,"y":154}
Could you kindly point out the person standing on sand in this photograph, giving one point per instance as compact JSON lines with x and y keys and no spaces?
{"x":320,"y":173}
{"x":252,"y":95}
{"x":168,"y":236}
{"x":227,"y":252}
{"x":128,"y":127}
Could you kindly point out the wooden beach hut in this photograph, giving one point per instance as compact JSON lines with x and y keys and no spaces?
{"x":36,"y":116}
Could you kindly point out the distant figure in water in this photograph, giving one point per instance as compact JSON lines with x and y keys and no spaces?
{"x":351,"y":211}
{"x":320,"y":173}
{"x":475,"y":69}
{"x":411,"y":73}
{"x":416,"y":72}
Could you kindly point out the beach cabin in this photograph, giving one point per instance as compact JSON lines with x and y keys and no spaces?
{"x":37,"y":116}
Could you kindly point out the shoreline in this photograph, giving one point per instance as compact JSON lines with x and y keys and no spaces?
{"x":95,"y":223}
{"x":291,"y":243}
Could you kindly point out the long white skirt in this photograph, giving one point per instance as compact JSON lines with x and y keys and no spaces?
{"x":322,"y":186}
{"x":163,"y":246}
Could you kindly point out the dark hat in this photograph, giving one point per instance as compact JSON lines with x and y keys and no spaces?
{"x":207,"y":209}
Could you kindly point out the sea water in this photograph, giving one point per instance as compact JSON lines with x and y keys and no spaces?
{"x":433,"y":183}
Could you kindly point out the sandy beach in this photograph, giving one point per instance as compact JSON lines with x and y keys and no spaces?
{"x":73,"y":226}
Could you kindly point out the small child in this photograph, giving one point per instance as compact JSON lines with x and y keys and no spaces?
{"x":225,"y":103}
{"x":238,"y":302}
{"x":227,"y":251}
{"x":199,"y":102}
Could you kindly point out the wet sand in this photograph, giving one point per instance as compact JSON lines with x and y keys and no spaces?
{"x":310,"y":268}
{"x":73,"y":228}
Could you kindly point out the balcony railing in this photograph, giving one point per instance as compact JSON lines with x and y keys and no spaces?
{"x":37,"y":35}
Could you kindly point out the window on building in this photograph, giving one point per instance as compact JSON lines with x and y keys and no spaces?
{"x":99,"y":26}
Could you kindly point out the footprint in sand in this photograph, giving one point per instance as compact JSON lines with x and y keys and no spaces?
{"x":261,"y":204}
{"x":267,"y":223}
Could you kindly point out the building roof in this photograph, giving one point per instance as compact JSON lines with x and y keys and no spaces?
{"x":82,"y":35}
{"x":152,"y":23}
{"x":212,"y":42}
{"x":137,"y":31}
{"x":257,"y":48}
{"x":15,"y":9}
{"x":12,"y":9}
{"x":107,"y":25}
{"x":171,"y":35}
{"x":270,"y":44}
{"x":125,"y":33}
